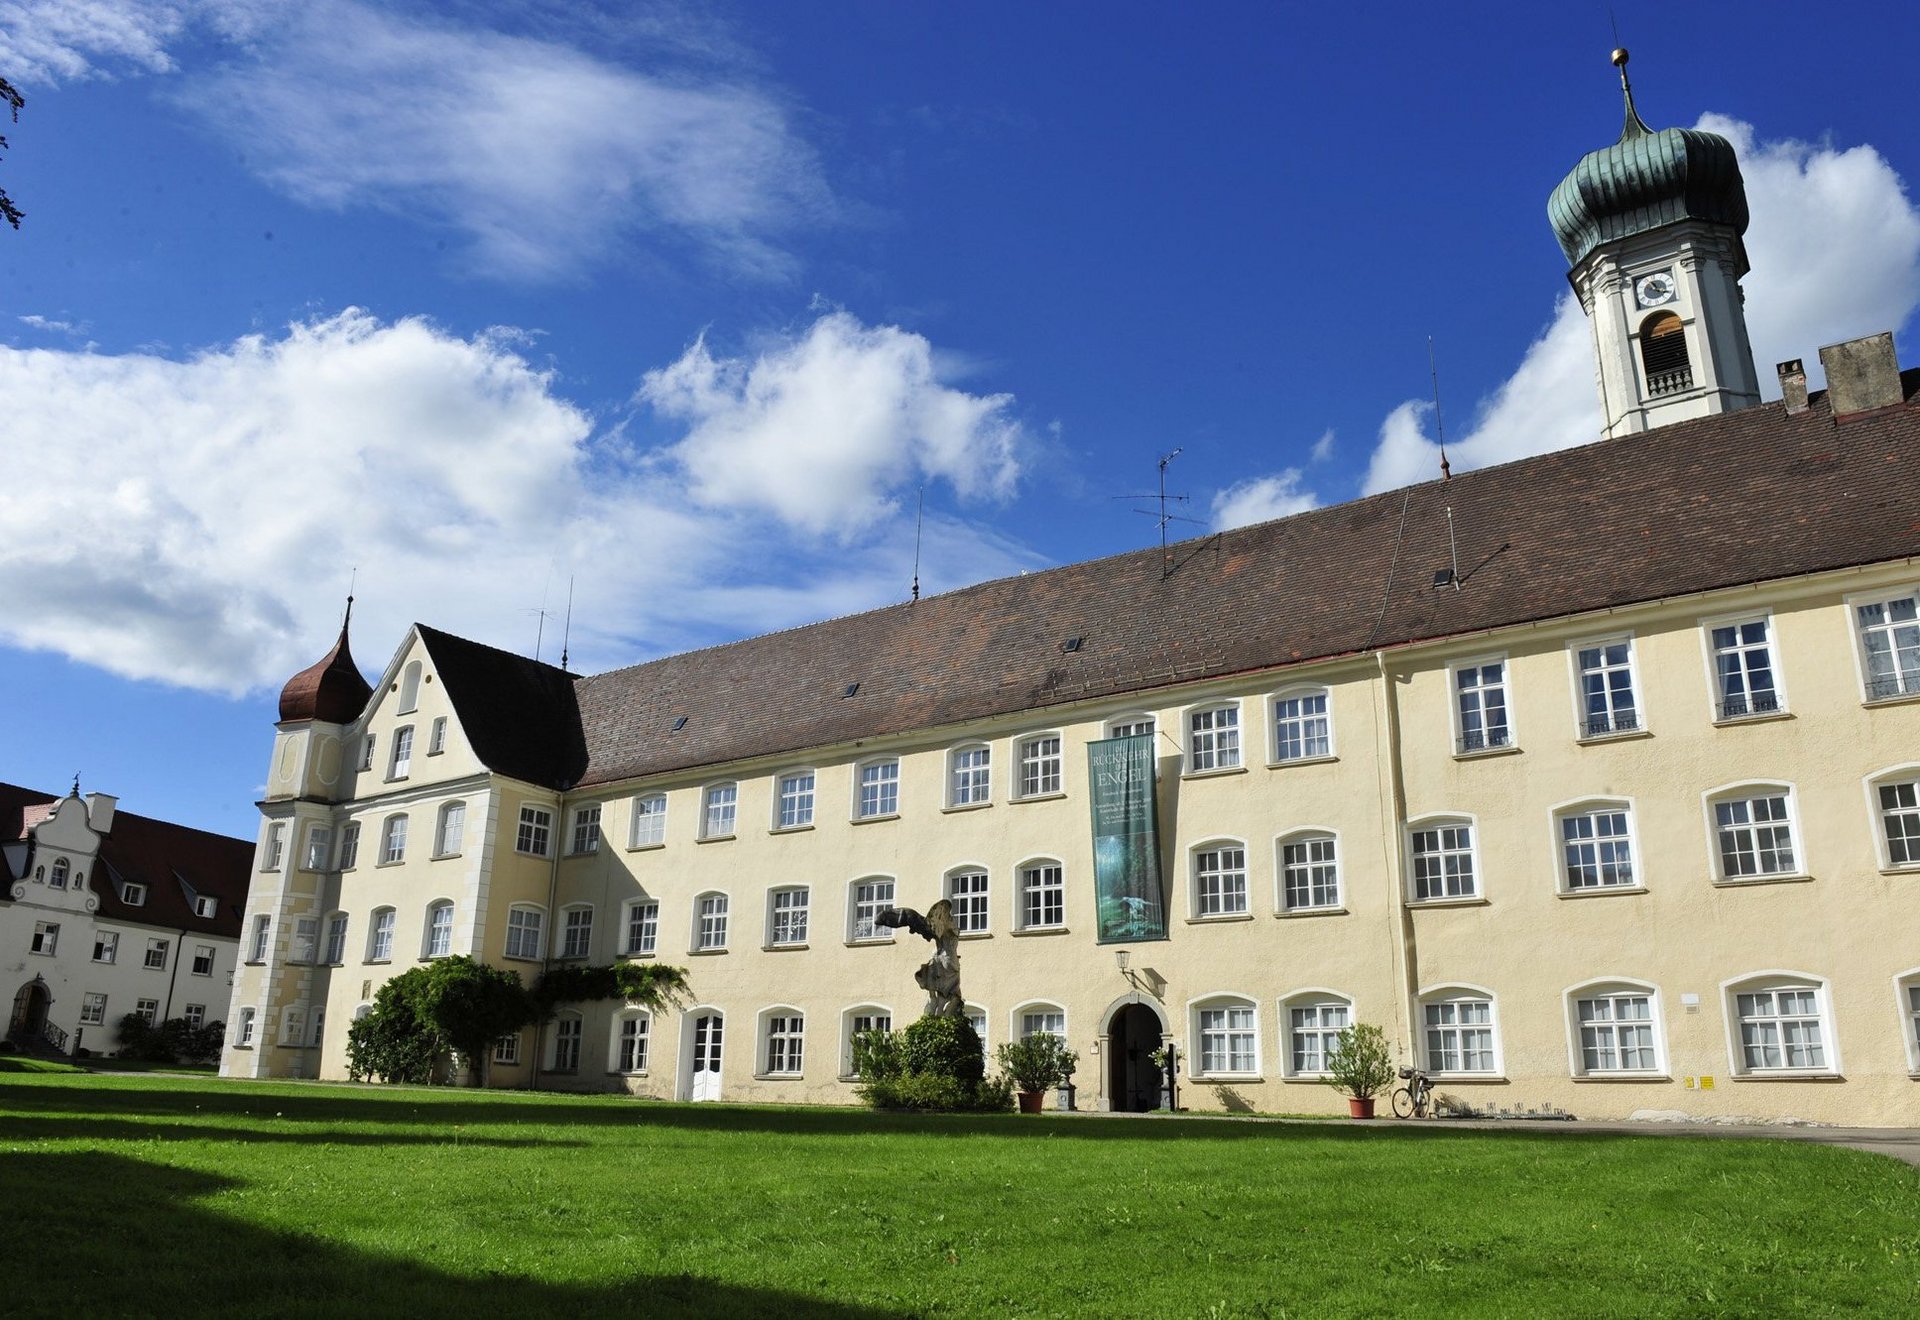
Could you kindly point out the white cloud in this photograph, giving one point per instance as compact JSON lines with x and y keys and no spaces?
{"x":196,"y":522}
{"x":1835,"y":247}
{"x":1323,"y":447}
{"x":1260,"y":499}
{"x":821,"y":428}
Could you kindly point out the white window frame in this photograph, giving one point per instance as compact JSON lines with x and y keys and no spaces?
{"x":400,"y":757}
{"x":158,"y":951}
{"x":449,"y":829}
{"x":794,"y":796}
{"x":1444,"y":821}
{"x":533,"y":837}
{"x":274,"y":848}
{"x":203,"y":953}
{"x":1614,"y":988}
{"x":1903,"y":681}
{"x":380,"y":924}
{"x":393,"y":839}
{"x":1024,"y":1017}
{"x":640,"y":928}
{"x":853,"y":1020}
{"x":881,"y":794}
{"x":336,"y":949}
{"x":306,"y":940}
{"x":1895,"y":778}
{"x":1129,"y":726}
{"x":583,"y":832}
{"x":1323,"y":1003}
{"x":630,"y":1043}
{"x":93,"y":1009}
{"x":969,"y":776}
{"x":106,"y":946}
{"x":1030,"y":879}
{"x":1232,"y":1033}
{"x":319,"y":847}
{"x":506,"y":1050}
{"x":789,"y":914}
{"x":576,"y":931}
{"x":569,"y":1038}
{"x":1906,"y":989}
{"x":1040,"y":766}
{"x":46,"y":938}
{"x":648,"y":827}
{"x":1774,"y":982}
{"x":1460,"y":994}
{"x":719,"y":810}
{"x":436,"y":935}
{"x":863,"y":907}
{"x":1749,"y":792}
{"x":977,"y":1017}
{"x":785,"y":1027}
{"x":526,"y":934}
{"x":243,"y":1033}
{"x":1220,"y":745}
{"x":1728,"y":708}
{"x":133,"y":894}
{"x":972,"y":910}
{"x":1488,"y":738}
{"x":1307,"y":836}
{"x":366,"y":751}
{"x":1218,"y":889}
{"x":1289,"y":730}
{"x":1601,"y":846}
{"x":260,"y":942}
{"x":437,"y":736}
{"x":349,"y":845}
{"x":206,"y":906}
{"x":293,"y":1023}
{"x":711,"y":913}
{"x":1612,"y":722}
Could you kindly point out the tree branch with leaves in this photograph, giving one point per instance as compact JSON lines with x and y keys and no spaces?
{"x":8,"y":211}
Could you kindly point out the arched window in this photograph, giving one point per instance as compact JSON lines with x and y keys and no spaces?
{"x":783,"y":1037}
{"x":1459,"y":1032}
{"x":1753,"y":833}
{"x":1312,"y":1021}
{"x":393,"y":840}
{"x":1225,"y":1027}
{"x":567,"y":1030}
{"x":649,"y":829}
{"x":1302,"y":725}
{"x":1220,"y":880}
{"x":719,"y":806}
{"x":59,"y":877}
{"x":1780,"y":1022}
{"x":1615,"y":1029}
{"x":877,"y":789}
{"x":1908,"y":985}
{"x":631,"y":1035}
{"x":968,"y":890}
{"x":1894,"y":796}
{"x":854,"y":1023}
{"x":453,"y":824}
{"x":380,"y":936}
{"x":439,"y":941}
{"x":977,"y":1019}
{"x":1443,"y":864}
{"x":526,"y":932}
{"x":1663,"y":352}
{"x":866,"y":900}
{"x":1039,"y":1016}
{"x":709,"y":923}
{"x":970,"y":776}
{"x":1309,"y":871}
{"x":787,"y":917}
{"x":1213,"y":738}
{"x":1594,"y":841}
{"x":410,"y":688}
{"x":1043,"y":895}
{"x":576,"y":930}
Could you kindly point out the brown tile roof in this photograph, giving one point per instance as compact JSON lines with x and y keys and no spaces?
{"x":519,"y":715}
{"x":1742,"y":497}
{"x":168,"y":859}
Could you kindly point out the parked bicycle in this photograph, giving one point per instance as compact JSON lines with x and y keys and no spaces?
{"x":1415,"y":1099}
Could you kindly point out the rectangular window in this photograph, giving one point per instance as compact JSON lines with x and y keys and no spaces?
{"x":306,"y":938}
{"x":1043,"y":1021}
{"x":1595,"y":848}
{"x":1213,"y":739}
{"x":1890,"y":636}
{"x":643,"y":927}
{"x":93,"y":1009}
{"x":439,"y":930}
{"x":437,"y":736}
{"x":1226,"y":1039}
{"x":134,"y":895}
{"x":401,"y":761}
{"x":1043,"y":897}
{"x":1302,"y":729}
{"x":380,"y":947}
{"x":1616,"y":1033}
{"x":319,"y":846}
{"x":205,"y":905}
{"x":1313,"y":1029}
{"x":650,"y":820}
{"x":524,"y":932}
{"x":576,"y":939}
{"x":1755,"y":836}
{"x":1480,"y":694}
{"x":870,"y":898}
{"x":507,"y":1049}
{"x":1220,"y":882}
{"x":157,"y":951}
{"x":566,"y":1045}
{"x":1606,"y":689}
{"x":879,"y":789}
{"x":106,"y":946}
{"x":276,"y":846}
{"x":393,"y":840}
{"x":262,"y":930}
{"x":796,"y":800}
{"x":712,"y":930}
{"x":244,"y":1038}
{"x":203,"y":960}
{"x":633,"y":1044}
{"x":536,"y":831}
{"x":1460,"y":1036}
{"x":1900,"y":821}
{"x":337,"y":938}
{"x":453,"y":827}
{"x":46,"y":937}
{"x":1443,"y":862}
{"x":366,"y":752}
{"x":1743,"y":670}
{"x":148,"y":1009}
{"x":195,"y":1014}
{"x":721,"y":803}
{"x":349,"y":845}
{"x":967,"y":890}
{"x":1781,"y":1029}
{"x":972,"y":776}
{"x":586,"y":830}
{"x":789,"y":919}
{"x":1040,"y":766}
{"x":785,"y":1041}
{"x":1131,"y":729}
{"x":1310,"y":873}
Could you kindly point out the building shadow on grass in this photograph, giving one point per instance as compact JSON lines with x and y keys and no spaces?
{"x":99,"y":1234}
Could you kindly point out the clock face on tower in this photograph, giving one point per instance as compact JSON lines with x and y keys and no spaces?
{"x":1652,"y":290}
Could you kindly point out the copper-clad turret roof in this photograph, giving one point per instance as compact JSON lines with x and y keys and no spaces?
{"x":333,"y":690}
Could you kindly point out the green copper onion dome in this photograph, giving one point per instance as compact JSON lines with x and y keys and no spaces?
{"x":1647,"y":180}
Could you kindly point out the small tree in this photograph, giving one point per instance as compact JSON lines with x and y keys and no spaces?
{"x":393,"y":1042}
{"x":1358,"y":1062}
{"x":471,"y":1005}
{"x":1039,"y":1063}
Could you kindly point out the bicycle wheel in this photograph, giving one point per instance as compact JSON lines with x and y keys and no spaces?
{"x":1403,"y":1103}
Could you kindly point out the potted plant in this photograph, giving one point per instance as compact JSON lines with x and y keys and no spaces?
{"x":1359,"y":1065}
{"x":1037,"y":1064}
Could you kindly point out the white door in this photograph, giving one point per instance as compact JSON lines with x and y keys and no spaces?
{"x":706,"y":1056}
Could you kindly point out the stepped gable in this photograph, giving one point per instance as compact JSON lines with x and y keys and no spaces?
{"x":1741,"y":497}
{"x":519,"y":715}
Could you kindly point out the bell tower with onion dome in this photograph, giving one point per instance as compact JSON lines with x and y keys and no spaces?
{"x":1652,"y":228}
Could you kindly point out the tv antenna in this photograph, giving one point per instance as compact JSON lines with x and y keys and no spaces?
{"x":1161,"y":515}
{"x":1439,"y":423}
{"x":566,"y":633}
{"x":919,"y":520}
{"x":1452,"y":576}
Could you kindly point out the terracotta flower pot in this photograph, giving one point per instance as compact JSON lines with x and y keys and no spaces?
{"x":1030,"y":1101}
{"x":1358,"y":1108}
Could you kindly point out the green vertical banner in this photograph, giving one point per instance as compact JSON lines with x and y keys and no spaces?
{"x":1129,"y":897}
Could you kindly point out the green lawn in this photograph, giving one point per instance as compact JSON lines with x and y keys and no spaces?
{"x":167,"y":1196}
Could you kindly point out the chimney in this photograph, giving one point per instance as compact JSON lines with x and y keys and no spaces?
{"x":1862,"y":375}
{"x":100,"y":812}
{"x":1793,"y":386}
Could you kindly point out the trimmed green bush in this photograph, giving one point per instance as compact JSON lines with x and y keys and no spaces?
{"x":931,"y":1064}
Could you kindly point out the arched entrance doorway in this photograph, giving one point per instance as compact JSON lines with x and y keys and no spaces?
{"x":1133,"y":1082}
{"x":29,"y":1020}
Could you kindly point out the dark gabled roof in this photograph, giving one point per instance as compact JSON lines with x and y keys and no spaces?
{"x":519,"y":715}
{"x":1742,"y":497}
{"x":166,"y":858}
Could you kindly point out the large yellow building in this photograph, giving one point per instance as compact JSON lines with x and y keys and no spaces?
{"x":1594,"y":778}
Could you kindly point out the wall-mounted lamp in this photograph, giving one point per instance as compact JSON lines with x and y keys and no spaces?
{"x":1123,"y":957}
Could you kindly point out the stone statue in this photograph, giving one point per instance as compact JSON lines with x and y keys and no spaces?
{"x":939,"y":975}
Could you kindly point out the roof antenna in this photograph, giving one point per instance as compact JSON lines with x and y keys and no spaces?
{"x":1439,"y":423}
{"x":1163,"y":516}
{"x":540,"y":632}
{"x":919,"y":520}
{"x":566,"y":634}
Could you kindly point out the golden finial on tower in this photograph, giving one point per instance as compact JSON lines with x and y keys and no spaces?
{"x":1635,"y":126}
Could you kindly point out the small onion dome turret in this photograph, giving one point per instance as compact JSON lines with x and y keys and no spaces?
{"x":1645,"y":181}
{"x":332,"y":691}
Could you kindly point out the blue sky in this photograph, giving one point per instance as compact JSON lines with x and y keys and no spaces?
{"x":690,"y":305}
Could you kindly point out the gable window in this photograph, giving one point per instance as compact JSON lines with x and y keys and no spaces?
{"x":319,"y":847}
{"x":971,"y":777}
{"x":1897,"y":804}
{"x":409,"y":689}
{"x":576,"y":932}
{"x":1443,"y":861}
{"x":787,"y":917}
{"x":1228,"y":1041}
{"x":1753,"y":834}
{"x":858,"y":1022}
{"x":632,"y":1047}
{"x":157,"y":951}
{"x":306,"y":938}
{"x":1743,"y":670}
{"x":106,"y":946}
{"x":796,"y":800}
{"x":1782,"y":1025}
{"x":525,"y":932}
{"x":1043,"y":896}
{"x":393,"y":840}
{"x":336,"y":941}
{"x":1220,"y":881}
{"x":1596,"y":847}
{"x":649,"y":820}
{"x":785,"y":1042}
{"x":269,"y":856}
{"x":437,"y":736}
{"x":643,"y":927}
{"x":1309,"y":873}
{"x":1314,"y":1023}
{"x":46,"y":937}
{"x":586,"y":830}
{"x":720,"y":804}
{"x":400,"y":763}
{"x":1607,"y":702}
{"x":968,"y":892}
{"x":262,"y":930}
{"x":1040,"y":766}
{"x":710,"y":922}
{"x":439,"y":930}
{"x":206,"y":905}
{"x":1617,"y":1030}
{"x":380,"y":936}
{"x":1459,"y":1032}
{"x":93,"y":1009}
{"x":1480,"y":705}
{"x":1213,"y":739}
{"x":870,"y":899}
{"x":535,"y":835}
{"x":203,"y":960}
{"x":879,"y":789}
{"x":1302,"y":726}
{"x":349,"y":845}
{"x":134,"y":895}
{"x":1890,"y":642}
{"x":453,"y":825}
